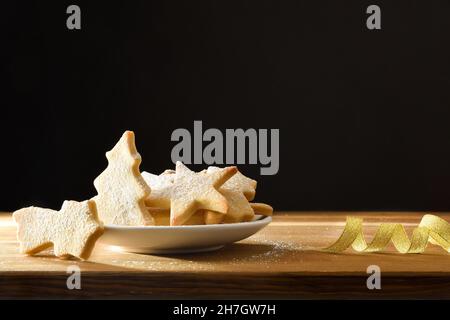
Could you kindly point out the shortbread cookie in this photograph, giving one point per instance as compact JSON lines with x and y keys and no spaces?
{"x":262,"y":208}
{"x":193,"y":191}
{"x":237,"y":190}
{"x":161,"y":187}
{"x":239,"y":183}
{"x":72,"y":231}
{"x":121,"y":188}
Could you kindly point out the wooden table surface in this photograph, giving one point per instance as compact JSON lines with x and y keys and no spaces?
{"x":281,"y":261}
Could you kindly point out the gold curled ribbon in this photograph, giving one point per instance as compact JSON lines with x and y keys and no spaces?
{"x":431,"y":229}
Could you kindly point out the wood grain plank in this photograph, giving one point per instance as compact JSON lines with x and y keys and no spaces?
{"x":280,"y":261}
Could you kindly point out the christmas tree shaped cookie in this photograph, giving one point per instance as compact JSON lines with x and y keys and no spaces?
{"x":121,"y":188}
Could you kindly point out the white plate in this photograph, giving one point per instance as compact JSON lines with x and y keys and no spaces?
{"x":179,"y":239}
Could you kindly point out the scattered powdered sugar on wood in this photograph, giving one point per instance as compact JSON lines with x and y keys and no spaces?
{"x":269,"y":251}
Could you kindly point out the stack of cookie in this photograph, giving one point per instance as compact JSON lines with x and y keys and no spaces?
{"x":125,"y":197}
{"x":215,"y":195}
{"x":175,"y":197}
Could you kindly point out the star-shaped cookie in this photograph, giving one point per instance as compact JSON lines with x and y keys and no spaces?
{"x":192,"y":191}
{"x":237,"y":190}
{"x":121,"y":188}
{"x":72,"y":231}
{"x":239,"y":183}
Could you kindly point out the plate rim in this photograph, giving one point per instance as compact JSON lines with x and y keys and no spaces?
{"x":260,"y":221}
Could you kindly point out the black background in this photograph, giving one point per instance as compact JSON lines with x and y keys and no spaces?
{"x":363,"y":115}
